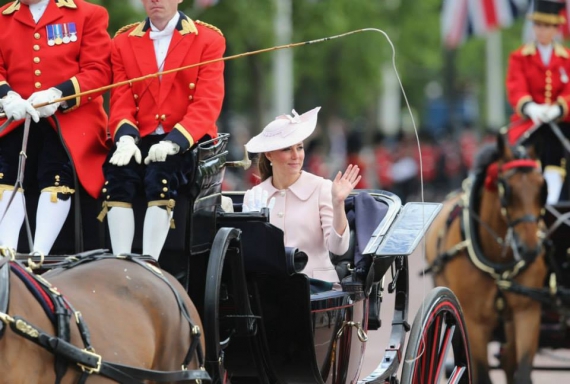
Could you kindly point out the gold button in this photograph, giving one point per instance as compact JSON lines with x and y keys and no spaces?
{"x":164,"y":181}
{"x":162,"y":195}
{"x":38,"y":72}
{"x":104,"y":190}
{"x":36,"y":60}
{"x":57,"y":177}
{"x":163,"y":117}
{"x":36,"y":47}
{"x":548,"y":80}
{"x":548,"y":73}
{"x":164,"y":189}
{"x":56,"y":183}
{"x":156,"y":117}
{"x":136,"y":96}
{"x":37,"y":35}
{"x":38,"y":85}
{"x":190,"y":97}
{"x":192,"y":85}
{"x":548,"y":87}
{"x":547,"y":94}
{"x":108,"y":197}
{"x":106,"y":182}
{"x":547,"y":100}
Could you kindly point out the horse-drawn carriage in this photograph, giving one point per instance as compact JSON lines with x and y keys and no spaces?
{"x":263,"y":320}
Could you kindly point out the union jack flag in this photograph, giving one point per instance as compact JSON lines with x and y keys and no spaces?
{"x":461,"y":19}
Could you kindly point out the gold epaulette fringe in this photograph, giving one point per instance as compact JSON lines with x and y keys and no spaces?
{"x":125,"y":28}
{"x":209,"y":26}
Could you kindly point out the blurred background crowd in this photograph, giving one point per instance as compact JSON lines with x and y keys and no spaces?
{"x":451,"y":65}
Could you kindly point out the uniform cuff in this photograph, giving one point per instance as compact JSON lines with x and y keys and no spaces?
{"x":523,"y":101}
{"x":125,"y":128}
{"x":68,"y":88}
{"x":180,"y":136}
{"x":4,"y":89}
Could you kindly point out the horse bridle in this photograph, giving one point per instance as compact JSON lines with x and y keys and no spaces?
{"x":503,"y":173}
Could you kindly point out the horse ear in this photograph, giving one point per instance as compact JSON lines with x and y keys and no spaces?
{"x":503,"y":147}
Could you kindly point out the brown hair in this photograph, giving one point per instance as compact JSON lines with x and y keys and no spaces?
{"x":264,"y":166}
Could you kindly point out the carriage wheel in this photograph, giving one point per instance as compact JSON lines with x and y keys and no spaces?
{"x":439,"y":326}
{"x":214,"y":344}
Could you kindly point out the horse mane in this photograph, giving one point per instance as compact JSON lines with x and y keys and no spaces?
{"x":487,"y":155}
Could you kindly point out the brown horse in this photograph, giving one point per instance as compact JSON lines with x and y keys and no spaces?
{"x":133,"y":317}
{"x":486,"y":239}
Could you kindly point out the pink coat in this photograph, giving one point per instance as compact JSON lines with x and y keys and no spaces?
{"x":304,"y":212}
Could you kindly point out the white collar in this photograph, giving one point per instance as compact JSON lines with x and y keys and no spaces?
{"x":168,"y":29}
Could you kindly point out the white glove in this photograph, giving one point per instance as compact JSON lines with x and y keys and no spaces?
{"x":126,"y":149}
{"x":46,"y":96}
{"x":257,"y":200}
{"x":536,"y":112}
{"x":16,"y":108}
{"x":160,"y":150}
{"x":552,"y":113}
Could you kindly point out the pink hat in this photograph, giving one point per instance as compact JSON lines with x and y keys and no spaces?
{"x":284,"y":132}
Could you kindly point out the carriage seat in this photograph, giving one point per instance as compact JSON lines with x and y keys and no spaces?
{"x":364,"y":214}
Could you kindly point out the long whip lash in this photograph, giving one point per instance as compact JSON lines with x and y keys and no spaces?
{"x":174,"y":70}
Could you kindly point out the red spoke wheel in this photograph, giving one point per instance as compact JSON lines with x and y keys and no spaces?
{"x":438,"y":341}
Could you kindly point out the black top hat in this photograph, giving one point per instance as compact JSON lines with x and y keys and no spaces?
{"x":548,"y":12}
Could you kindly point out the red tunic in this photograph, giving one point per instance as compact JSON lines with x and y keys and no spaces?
{"x":29,"y":64}
{"x":528,"y":79}
{"x":187,"y":103}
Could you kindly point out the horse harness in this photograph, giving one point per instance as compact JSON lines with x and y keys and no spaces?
{"x":496,"y":176}
{"x":87,"y":359}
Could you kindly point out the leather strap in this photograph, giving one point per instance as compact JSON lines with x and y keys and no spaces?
{"x":4,"y":289}
{"x":93,"y":364}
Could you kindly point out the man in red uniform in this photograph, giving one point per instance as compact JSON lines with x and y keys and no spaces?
{"x":158,"y":120}
{"x":538,"y":88}
{"x":51,"y":49}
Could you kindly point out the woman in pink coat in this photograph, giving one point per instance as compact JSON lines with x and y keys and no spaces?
{"x":308,"y":208}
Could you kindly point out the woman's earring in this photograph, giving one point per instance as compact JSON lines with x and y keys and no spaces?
{"x":271,"y":164}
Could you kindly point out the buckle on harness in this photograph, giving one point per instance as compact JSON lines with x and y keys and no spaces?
{"x":91,"y":370}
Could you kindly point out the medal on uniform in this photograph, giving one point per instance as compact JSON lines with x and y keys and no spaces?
{"x":72,"y":32}
{"x":563,"y":75}
{"x":58,"y":34}
{"x":66,"y":39}
{"x":50,"y":35}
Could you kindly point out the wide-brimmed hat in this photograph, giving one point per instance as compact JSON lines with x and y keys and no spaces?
{"x":548,"y":12}
{"x":284,"y":132}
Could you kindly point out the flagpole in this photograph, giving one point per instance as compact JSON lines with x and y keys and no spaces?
{"x":494,"y":80}
{"x":283,"y":59}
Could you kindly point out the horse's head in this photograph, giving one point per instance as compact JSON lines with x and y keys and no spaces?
{"x":521,"y":192}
